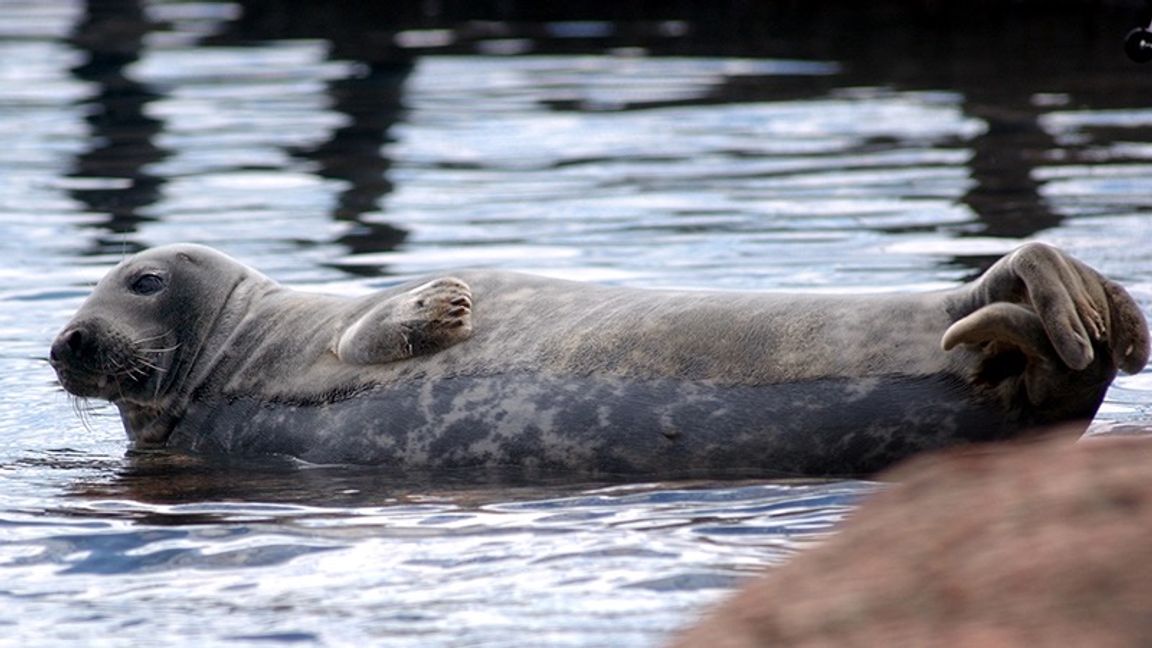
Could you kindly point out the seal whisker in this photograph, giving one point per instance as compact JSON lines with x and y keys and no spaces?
{"x":152,"y":337}
{"x":156,"y":360}
{"x":83,"y":409}
{"x":134,"y":369}
{"x":159,"y":351}
{"x":119,"y":368}
{"x":161,"y":372}
{"x":143,"y":362}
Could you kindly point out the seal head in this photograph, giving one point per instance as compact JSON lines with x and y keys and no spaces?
{"x":137,"y":337}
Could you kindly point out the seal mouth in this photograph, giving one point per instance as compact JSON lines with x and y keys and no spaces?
{"x":84,"y":385}
{"x":92,"y":360}
{"x":112,"y":387}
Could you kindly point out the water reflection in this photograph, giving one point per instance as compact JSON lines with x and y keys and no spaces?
{"x":111,"y":175}
{"x":162,"y":490}
{"x":979,"y":56}
{"x":927,"y":49}
{"x":173,"y":478}
{"x":162,"y":477}
{"x":370,"y":98}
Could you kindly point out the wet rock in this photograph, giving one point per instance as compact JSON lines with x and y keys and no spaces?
{"x":1041,"y":545}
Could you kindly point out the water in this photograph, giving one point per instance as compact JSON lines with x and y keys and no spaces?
{"x":824,"y":151}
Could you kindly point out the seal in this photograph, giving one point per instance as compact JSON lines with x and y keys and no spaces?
{"x":490,"y":369}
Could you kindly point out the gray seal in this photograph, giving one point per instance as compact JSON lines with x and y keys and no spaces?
{"x":489,"y":369}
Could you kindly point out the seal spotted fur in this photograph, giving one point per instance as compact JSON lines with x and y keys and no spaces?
{"x":495,"y":369}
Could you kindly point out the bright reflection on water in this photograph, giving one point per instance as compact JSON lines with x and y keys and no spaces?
{"x":341,"y":555}
{"x":337,"y":164}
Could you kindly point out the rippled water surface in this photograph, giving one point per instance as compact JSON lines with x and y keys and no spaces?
{"x":344,"y":156}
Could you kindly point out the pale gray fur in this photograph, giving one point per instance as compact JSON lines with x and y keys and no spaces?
{"x":573,"y":376}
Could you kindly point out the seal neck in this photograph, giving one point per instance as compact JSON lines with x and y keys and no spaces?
{"x":201,"y":366}
{"x":192,"y":370}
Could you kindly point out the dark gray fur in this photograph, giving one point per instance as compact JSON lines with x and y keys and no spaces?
{"x":569,"y":377}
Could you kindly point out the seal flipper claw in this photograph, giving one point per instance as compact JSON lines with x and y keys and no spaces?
{"x":426,"y":319}
{"x":1128,"y":330}
{"x":1060,"y":297}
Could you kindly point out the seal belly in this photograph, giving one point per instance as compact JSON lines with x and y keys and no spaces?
{"x":602,"y":425}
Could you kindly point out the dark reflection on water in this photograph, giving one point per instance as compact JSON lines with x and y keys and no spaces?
{"x":111,"y":36}
{"x":164,"y":478}
{"x":371,"y":97}
{"x":990,"y":57}
{"x":160,"y":477}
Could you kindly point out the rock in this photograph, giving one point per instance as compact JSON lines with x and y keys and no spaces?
{"x":1042,"y":545}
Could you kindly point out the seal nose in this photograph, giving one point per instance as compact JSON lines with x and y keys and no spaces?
{"x":70,"y":345}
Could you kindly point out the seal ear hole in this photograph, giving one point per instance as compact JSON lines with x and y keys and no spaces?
{"x":1002,"y":364}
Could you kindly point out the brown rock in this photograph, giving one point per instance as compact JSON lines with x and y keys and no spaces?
{"x":1044,"y":545}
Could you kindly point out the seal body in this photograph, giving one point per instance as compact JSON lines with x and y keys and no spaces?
{"x":496,"y":369}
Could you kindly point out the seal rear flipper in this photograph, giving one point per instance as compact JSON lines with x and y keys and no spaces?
{"x":426,"y":319}
{"x":1079,"y":309}
{"x":1012,"y":341}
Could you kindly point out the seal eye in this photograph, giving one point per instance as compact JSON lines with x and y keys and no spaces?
{"x":147,"y":284}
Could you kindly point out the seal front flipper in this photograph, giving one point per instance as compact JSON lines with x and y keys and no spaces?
{"x":426,"y":319}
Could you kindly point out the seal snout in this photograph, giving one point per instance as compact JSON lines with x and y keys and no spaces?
{"x":75,"y":357}
{"x":72,"y":345}
{"x":91,"y":357}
